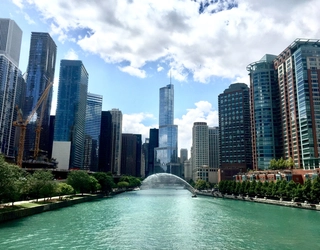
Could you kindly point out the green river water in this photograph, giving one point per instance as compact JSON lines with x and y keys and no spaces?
{"x":165,"y":219}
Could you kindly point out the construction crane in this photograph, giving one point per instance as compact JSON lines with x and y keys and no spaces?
{"x":39,"y":128}
{"x":22,"y":124}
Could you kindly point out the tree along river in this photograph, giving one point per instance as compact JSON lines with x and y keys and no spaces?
{"x":165,"y":219}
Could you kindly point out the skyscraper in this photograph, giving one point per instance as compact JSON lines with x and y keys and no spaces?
{"x":183,"y":155}
{"x":166,"y":154}
{"x":234,"y":130}
{"x":92,"y":131}
{"x":214,"y":159}
{"x":153,"y":143}
{"x":144,"y":157}
{"x":40,"y":73}
{"x":183,"y":158}
{"x":200,"y":151}
{"x":71,"y":109}
{"x":265,"y":112}
{"x":105,"y":143}
{"x":11,"y":83}
{"x":298,"y":78}
{"x":116,"y":138}
{"x":214,"y":155}
{"x":131,"y":155}
{"x":10,"y":40}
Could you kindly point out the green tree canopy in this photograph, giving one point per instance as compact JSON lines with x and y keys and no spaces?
{"x":64,"y":189}
{"x":11,"y":177}
{"x":131,"y":180}
{"x":106,"y":181}
{"x":79,"y":180}
{"x":41,"y":184}
{"x":123,"y":184}
{"x":315,"y":190}
{"x":201,"y":184}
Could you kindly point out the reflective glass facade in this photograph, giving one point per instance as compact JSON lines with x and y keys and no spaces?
{"x":92,"y":131}
{"x":166,"y":154}
{"x":71,"y":109}
{"x":298,"y":80}
{"x":116,"y":139}
{"x":265,"y":112}
{"x":214,"y":147}
{"x":105,"y":143}
{"x":10,"y":40}
{"x":11,"y":86}
{"x":307,"y":72}
{"x":40,"y":72}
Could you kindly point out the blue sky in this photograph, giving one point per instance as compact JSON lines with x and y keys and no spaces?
{"x":129,"y":48}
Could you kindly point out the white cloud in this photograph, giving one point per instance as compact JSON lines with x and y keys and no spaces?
{"x":29,"y":19}
{"x":159,"y":68}
{"x":71,"y":55}
{"x":203,"y":112}
{"x":198,"y":45}
{"x":18,"y":3}
{"x":133,"y":71}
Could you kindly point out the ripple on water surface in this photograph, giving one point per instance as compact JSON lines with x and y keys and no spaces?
{"x":165,"y":219}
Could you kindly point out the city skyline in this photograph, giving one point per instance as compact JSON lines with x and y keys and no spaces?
{"x":133,"y":64}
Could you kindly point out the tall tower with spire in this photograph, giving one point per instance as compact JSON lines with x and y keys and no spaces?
{"x":166,"y":159}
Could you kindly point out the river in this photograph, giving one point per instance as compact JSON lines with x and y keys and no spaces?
{"x":165,"y":219}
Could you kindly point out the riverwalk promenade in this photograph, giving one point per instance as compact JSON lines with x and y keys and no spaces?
{"x":302,"y":205}
{"x":25,"y":208}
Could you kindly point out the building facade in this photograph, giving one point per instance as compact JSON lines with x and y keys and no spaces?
{"x":105,"y":143}
{"x":144,"y":157}
{"x":183,"y":155}
{"x":214,"y":158}
{"x":298,"y":78}
{"x":11,"y":84}
{"x":265,"y":113}
{"x":92,"y":131}
{"x":153,"y":143}
{"x":116,"y":140}
{"x":11,"y":90}
{"x":40,"y":73}
{"x":71,"y":109}
{"x":10,"y":40}
{"x":200,"y":151}
{"x":234,"y":130}
{"x":131,"y":155}
{"x":166,"y":155}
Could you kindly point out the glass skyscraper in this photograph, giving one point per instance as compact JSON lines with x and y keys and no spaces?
{"x":10,"y":40}
{"x":116,"y":141}
{"x":105,"y":143}
{"x":298,"y":69}
{"x":166,"y":153}
{"x":110,"y":141}
{"x":11,"y":83}
{"x":265,"y":112}
{"x":40,"y":73}
{"x":92,"y":131}
{"x":71,"y":109}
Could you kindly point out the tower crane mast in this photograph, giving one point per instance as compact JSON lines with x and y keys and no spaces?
{"x":22,"y":124}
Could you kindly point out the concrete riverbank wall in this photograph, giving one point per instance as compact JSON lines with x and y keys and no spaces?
{"x":40,"y":208}
{"x":294,"y":204}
